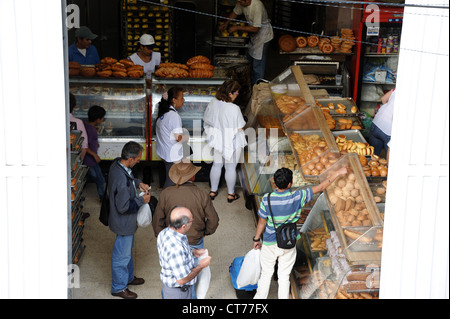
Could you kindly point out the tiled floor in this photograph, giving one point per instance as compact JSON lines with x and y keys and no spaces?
{"x":232,"y":239}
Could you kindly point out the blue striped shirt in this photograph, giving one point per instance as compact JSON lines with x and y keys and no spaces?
{"x":286,"y":208}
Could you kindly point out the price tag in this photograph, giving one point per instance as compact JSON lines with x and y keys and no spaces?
{"x":373,"y":31}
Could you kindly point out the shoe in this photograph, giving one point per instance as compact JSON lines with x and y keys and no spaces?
{"x":85,"y":216}
{"x":214,"y":194}
{"x":125,"y":294}
{"x":136,"y":281}
{"x":234,"y":197}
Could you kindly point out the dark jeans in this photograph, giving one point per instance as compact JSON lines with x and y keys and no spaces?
{"x":168,"y":182}
{"x":378,"y":139}
{"x":259,"y":66}
{"x":95,"y":174}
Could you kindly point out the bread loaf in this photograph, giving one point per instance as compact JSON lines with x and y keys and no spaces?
{"x":198,"y":59}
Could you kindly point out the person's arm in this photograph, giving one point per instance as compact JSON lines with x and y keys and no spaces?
{"x":322,"y":186}
{"x":245,"y":28}
{"x":231,"y":17}
{"x":159,"y":217}
{"x":212,"y":218}
{"x":195,"y":271}
{"x":94,"y":155}
{"x":259,"y":231}
{"x":385,"y":98}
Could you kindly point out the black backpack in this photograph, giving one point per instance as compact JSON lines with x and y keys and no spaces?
{"x":286,"y":233}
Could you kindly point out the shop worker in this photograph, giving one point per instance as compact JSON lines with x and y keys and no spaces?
{"x":380,"y":131}
{"x":260,"y":31}
{"x":185,"y":193}
{"x":82,"y":51}
{"x":124,"y":206}
{"x":286,"y":206}
{"x":176,"y":258}
{"x":145,"y":56}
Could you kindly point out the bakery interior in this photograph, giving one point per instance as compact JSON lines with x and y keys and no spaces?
{"x":333,"y":88}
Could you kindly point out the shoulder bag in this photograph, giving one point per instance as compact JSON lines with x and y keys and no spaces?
{"x":286,"y":233}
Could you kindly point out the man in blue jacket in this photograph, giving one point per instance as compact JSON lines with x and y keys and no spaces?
{"x":82,"y":51}
{"x":124,"y":206}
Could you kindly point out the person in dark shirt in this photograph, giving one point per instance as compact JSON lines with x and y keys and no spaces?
{"x":96,"y":116}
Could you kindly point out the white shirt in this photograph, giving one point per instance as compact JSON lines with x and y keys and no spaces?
{"x":150,"y":66}
{"x":256,"y":15}
{"x":167,"y":126}
{"x":383,"y":118}
{"x":222,"y":121}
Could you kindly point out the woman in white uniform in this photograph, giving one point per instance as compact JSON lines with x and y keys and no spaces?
{"x":169,"y":132}
{"x":146,"y":56}
{"x":224,"y":124}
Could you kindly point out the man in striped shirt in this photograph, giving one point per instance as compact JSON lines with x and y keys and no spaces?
{"x":286,"y":207}
{"x":178,"y":269}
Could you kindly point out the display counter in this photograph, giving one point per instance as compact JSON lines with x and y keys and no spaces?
{"x":125,"y":103}
{"x":342,"y":229}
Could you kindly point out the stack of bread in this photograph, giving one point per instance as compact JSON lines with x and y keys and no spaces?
{"x":348,"y":40}
{"x":353,"y":147}
{"x":172,"y":70}
{"x":200,"y":67}
{"x":375,"y":167}
{"x":74,"y":68}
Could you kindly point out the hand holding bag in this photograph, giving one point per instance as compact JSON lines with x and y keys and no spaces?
{"x":144,"y":215}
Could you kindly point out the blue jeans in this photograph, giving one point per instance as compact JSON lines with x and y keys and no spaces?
{"x":95,"y":174}
{"x":259,"y":66}
{"x":378,"y":139}
{"x":122,"y":266}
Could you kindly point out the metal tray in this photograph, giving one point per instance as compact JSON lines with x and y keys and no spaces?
{"x":357,"y":246}
{"x":347,"y":101}
{"x":355,"y":121}
{"x":354,"y":135}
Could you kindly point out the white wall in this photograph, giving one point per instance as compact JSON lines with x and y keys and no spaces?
{"x":416,"y":233}
{"x":33,"y":151}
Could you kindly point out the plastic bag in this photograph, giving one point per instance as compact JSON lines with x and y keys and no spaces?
{"x":250,"y":269}
{"x":144,"y":215}
{"x":203,"y":279}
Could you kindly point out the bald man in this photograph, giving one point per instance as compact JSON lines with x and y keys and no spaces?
{"x":178,"y":270}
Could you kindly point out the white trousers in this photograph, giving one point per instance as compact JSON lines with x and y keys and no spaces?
{"x":286,"y":260}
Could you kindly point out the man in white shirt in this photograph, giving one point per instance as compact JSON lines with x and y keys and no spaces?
{"x":260,"y":29}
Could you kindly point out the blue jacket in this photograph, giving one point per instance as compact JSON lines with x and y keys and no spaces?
{"x":90,"y":58}
{"x":124,"y":204}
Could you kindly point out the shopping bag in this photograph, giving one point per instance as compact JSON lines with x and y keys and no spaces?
{"x":203,"y":279}
{"x":250,"y":269}
{"x":144,"y":215}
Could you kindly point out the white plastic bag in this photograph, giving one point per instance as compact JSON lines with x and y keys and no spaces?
{"x":144,"y":215}
{"x":250,"y":269}
{"x":203,"y":279}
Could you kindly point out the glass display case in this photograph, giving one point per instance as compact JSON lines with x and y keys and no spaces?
{"x":125,"y":103}
{"x":327,"y":273}
{"x":197,"y":94}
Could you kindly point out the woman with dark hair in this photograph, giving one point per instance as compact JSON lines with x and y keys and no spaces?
{"x":224,"y":123}
{"x":169,"y":132}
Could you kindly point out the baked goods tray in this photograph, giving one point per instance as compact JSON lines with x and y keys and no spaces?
{"x":218,"y":40}
{"x":347,"y":102}
{"x":356,"y":121}
{"x":354,"y":135}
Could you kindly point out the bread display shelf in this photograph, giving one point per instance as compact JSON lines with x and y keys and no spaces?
{"x":362,"y":248}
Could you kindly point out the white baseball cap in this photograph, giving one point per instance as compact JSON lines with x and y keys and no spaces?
{"x":146,"y":39}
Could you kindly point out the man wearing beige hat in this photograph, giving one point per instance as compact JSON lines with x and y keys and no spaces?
{"x":186,"y":194}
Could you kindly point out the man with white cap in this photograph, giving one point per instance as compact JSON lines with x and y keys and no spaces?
{"x":146,"y":56}
{"x":82,"y":51}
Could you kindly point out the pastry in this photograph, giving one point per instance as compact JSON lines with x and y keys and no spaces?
{"x":301,"y":42}
{"x":313,"y":41}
